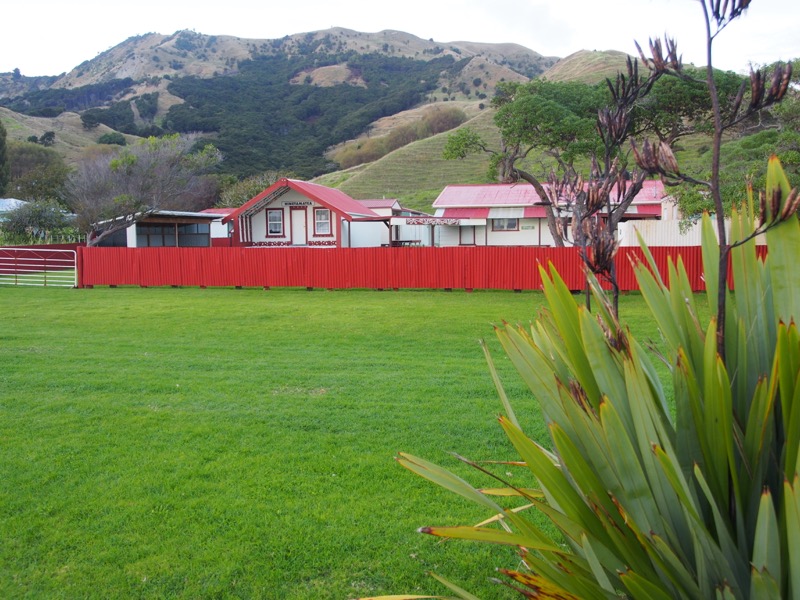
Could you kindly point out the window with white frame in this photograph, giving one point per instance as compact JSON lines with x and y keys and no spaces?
{"x":505,"y":224}
{"x":322,"y":221}
{"x":275,"y":222}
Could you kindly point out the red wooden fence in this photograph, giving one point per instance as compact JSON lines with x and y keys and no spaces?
{"x":482,"y":267}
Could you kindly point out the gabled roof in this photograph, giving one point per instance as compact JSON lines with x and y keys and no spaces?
{"x":507,"y":195}
{"x":382,"y":203}
{"x":487,"y":195}
{"x":331,"y":198}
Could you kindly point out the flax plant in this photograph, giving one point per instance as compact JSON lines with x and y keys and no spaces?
{"x":702,"y":501}
{"x":650,"y":500}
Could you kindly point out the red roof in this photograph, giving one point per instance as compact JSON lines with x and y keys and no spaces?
{"x":488,"y":195}
{"x":466,"y":213}
{"x":331,"y":198}
{"x":535,"y":212}
{"x":218,"y":211}
{"x":523,"y":195}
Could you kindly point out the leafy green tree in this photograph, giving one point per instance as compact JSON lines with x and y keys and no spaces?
{"x":90,"y":120}
{"x":5,"y":169}
{"x":261,"y":121}
{"x":48,"y":138}
{"x":118,"y":116}
{"x":113,"y":137}
{"x":36,"y":172}
{"x":239,"y":192}
{"x":555,"y":118}
{"x":147,"y":105}
{"x":109,"y":192}
{"x":53,"y":101}
{"x":743,"y":159}
{"x":677,"y":107}
{"x":35,"y":222}
{"x":42,"y":182}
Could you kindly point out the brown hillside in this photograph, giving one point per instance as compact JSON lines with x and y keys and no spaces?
{"x":587,"y":66}
{"x":154,"y":55}
{"x":71,"y":138}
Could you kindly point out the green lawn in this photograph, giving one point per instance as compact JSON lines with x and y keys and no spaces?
{"x":187,"y":443}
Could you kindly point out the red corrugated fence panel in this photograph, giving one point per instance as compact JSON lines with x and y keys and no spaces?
{"x":476,"y":267}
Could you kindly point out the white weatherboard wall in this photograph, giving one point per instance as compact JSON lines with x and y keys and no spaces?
{"x":666,"y":233}
{"x":420,"y":233}
{"x":532,"y":232}
{"x":218,"y":229}
{"x":368,"y":234}
{"x":294,"y":206}
{"x":258,"y":225}
{"x":658,"y":233}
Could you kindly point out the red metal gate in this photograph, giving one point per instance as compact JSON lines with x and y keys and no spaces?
{"x":43,"y":267}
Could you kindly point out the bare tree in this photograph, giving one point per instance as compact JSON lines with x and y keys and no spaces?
{"x":109,"y":192}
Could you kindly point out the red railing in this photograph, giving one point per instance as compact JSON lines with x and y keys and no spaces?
{"x":483,"y":267}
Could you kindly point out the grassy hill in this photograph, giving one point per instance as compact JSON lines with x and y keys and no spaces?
{"x":587,"y":66}
{"x":71,"y":140}
{"x":417,"y":173}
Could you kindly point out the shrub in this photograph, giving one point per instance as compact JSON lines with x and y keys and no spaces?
{"x":113,"y":138}
{"x":436,"y":120}
{"x":35,"y":223}
{"x":649,"y":501}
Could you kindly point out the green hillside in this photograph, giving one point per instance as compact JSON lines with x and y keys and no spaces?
{"x":415,"y":174}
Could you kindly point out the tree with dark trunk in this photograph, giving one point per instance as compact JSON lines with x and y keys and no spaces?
{"x":569,"y":121}
{"x":760,"y":91}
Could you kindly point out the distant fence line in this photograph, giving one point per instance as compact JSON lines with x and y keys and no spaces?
{"x":476,"y":267}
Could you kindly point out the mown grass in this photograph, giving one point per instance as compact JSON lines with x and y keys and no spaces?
{"x":186,"y":443}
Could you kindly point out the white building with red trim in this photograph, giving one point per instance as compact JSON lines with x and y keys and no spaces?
{"x":300,"y":213}
{"x":401,"y":233}
{"x":511,"y":214}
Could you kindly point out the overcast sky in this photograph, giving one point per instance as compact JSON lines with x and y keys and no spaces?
{"x":43,"y":37}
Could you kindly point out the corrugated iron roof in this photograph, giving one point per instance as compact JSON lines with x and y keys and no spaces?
{"x":336,"y":200}
{"x":381,"y":203}
{"x":218,"y":211}
{"x":488,"y":195}
{"x":652,"y":192}
{"x":496,"y":195}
